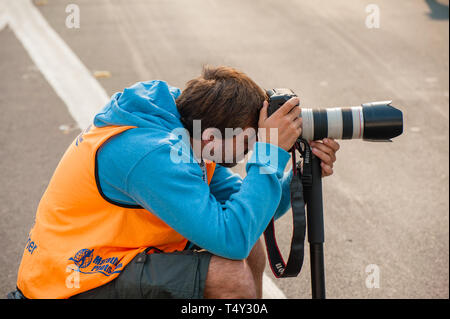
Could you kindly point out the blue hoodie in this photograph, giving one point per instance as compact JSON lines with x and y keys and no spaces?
{"x":135,"y":168}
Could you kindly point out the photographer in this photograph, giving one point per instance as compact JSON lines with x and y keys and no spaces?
{"x":121,"y":219}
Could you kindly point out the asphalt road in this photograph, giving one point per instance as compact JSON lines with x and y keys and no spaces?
{"x":387,"y":204}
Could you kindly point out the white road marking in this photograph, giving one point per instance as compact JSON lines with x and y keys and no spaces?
{"x":3,"y":21}
{"x":271,"y":290}
{"x":3,"y":17}
{"x":68,"y":76}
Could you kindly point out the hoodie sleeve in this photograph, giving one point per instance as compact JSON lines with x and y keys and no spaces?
{"x":285,"y":202}
{"x":228,"y":227}
{"x":225,"y":183}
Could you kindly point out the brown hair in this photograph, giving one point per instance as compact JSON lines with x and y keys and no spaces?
{"x":221,"y":97}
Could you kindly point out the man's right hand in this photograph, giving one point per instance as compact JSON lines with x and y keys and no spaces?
{"x":285,"y":120}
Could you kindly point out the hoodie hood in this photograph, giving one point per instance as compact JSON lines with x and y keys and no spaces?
{"x":149,"y":104}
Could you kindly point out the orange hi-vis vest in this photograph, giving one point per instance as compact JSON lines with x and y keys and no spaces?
{"x":82,"y":240}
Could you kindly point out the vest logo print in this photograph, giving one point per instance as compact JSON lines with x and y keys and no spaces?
{"x":83,"y":258}
{"x":86,"y":263}
{"x":79,"y":138}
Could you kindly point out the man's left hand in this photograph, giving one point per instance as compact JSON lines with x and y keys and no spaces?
{"x":325,"y":150}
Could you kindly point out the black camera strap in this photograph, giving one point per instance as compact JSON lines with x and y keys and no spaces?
{"x":299,"y":181}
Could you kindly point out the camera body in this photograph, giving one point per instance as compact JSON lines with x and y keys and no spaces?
{"x":277,"y":97}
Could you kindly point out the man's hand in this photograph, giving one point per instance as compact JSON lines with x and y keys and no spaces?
{"x":326,"y":151}
{"x":289,"y":127}
{"x":285,"y":120}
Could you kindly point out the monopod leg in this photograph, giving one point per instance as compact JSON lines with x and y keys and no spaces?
{"x":314,"y":202}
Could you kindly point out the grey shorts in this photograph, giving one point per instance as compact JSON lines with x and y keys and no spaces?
{"x":178,"y":275}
